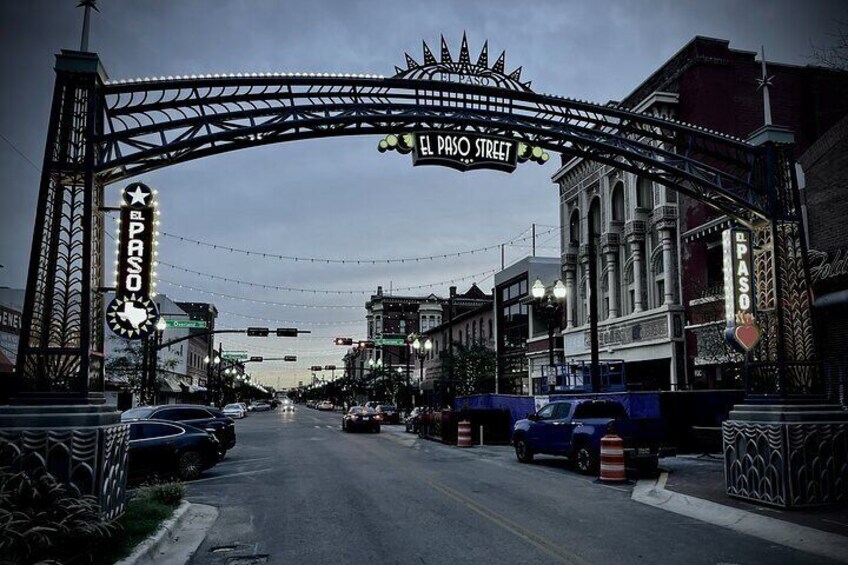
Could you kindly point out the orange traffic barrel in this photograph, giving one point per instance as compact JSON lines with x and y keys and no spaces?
{"x":463,"y":434}
{"x":612,"y":459}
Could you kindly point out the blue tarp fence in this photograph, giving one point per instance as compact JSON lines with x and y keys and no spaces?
{"x":637,"y":404}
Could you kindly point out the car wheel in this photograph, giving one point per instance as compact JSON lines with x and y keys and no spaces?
{"x":585,"y":460}
{"x":189,"y":465}
{"x":522,"y":451}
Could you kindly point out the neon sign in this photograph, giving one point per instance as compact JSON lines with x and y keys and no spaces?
{"x":742,"y":330}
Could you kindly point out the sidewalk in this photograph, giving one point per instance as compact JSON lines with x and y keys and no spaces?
{"x":703,"y":477}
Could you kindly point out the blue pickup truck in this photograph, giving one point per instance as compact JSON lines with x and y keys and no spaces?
{"x":574,"y":428}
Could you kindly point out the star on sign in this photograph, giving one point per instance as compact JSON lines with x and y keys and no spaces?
{"x":138,"y":196}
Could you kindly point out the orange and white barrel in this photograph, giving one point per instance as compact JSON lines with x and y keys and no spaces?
{"x":612,"y":459}
{"x":463,"y":434}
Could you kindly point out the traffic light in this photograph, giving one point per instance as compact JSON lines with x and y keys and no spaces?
{"x":329,"y":367}
{"x":286,"y":332}
{"x":344,"y":341}
{"x":257,"y":332}
{"x":255,"y":359}
{"x":290,"y":358}
{"x":316,"y":368}
{"x":367,"y":344}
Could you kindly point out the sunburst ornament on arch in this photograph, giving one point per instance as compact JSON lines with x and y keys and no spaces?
{"x":463,"y":70}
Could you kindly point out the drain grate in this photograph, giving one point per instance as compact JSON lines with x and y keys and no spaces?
{"x":223,"y":548}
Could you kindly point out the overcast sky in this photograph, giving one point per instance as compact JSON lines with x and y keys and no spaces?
{"x":340,"y":198}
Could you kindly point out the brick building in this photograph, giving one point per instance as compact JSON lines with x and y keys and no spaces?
{"x":824,"y":180}
{"x":659,"y":256}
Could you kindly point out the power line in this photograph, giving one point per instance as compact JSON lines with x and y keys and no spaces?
{"x":19,"y":152}
{"x":257,"y":301}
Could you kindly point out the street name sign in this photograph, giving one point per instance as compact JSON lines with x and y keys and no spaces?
{"x":235,"y":355}
{"x":390,"y":341}
{"x":185,"y":324}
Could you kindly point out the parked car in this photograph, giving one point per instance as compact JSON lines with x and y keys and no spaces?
{"x":361,"y":418}
{"x":325,"y":405}
{"x":208,"y":419}
{"x":574,"y":428}
{"x":244,"y":405}
{"x":260,"y":406}
{"x":166,"y":448}
{"x":411,"y":421}
{"x":234,"y":411}
{"x":388,"y":414}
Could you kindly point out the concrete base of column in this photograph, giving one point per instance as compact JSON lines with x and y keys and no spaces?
{"x":82,"y":446}
{"x":787,"y":455}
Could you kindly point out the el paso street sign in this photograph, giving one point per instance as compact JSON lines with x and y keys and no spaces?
{"x":465,"y":151}
{"x":132,"y":314}
{"x":742,"y":330}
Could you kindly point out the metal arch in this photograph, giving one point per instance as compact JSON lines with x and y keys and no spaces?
{"x":153,"y":124}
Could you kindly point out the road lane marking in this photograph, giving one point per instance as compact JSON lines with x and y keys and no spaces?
{"x":230,"y":460}
{"x":560,"y":553}
{"x":227,"y":476}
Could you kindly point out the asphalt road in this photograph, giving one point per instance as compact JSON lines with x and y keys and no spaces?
{"x":296,"y":489}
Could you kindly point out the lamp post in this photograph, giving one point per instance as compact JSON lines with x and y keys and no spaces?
{"x":548,"y":302}
{"x":211,"y":363}
{"x":421,"y":351}
{"x":375,"y":366}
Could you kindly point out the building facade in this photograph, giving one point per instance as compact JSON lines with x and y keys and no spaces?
{"x":658,"y":253}
{"x":521,"y":344}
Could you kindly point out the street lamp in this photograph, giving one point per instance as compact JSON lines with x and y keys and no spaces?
{"x":421,"y":351}
{"x":548,"y":301}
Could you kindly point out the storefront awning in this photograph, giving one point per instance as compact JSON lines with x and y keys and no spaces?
{"x":169,"y":384}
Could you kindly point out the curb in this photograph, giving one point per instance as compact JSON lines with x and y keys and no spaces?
{"x":149,"y":546}
{"x":802,"y":538}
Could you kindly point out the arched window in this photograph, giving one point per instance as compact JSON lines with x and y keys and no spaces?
{"x":618,"y":202}
{"x":645,"y":193}
{"x":595,"y":216}
{"x":574,"y":227}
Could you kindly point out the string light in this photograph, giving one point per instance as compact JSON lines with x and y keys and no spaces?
{"x":294,"y":322}
{"x":320,"y":291}
{"x":257,"y":301}
{"x":362,"y":261}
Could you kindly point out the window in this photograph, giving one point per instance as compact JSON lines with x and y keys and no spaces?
{"x":153,"y":430}
{"x":182,"y":414}
{"x":460,"y":336}
{"x":644,"y":193}
{"x":546,"y":412}
{"x":574,"y":227}
{"x":618,"y":202}
{"x":402,"y":326}
{"x":474,"y":331}
{"x":467,"y":335}
{"x":562,"y":409}
{"x":379,"y":325}
{"x":490,"y":327}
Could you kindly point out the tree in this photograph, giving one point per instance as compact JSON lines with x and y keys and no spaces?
{"x":834,"y":56}
{"x":127,"y":360}
{"x":473,"y":369}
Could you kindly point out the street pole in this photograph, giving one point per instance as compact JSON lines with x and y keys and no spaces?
{"x":593,"y":310}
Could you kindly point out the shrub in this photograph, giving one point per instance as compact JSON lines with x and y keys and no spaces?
{"x":42,"y":518}
{"x":167,"y":493}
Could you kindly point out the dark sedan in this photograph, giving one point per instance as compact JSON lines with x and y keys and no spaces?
{"x":159,"y":448}
{"x":208,"y":419}
{"x":361,"y":418}
{"x":388,"y":414}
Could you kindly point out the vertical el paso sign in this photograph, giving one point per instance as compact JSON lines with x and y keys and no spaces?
{"x":131,"y":314}
{"x":136,"y":241}
{"x":742,"y":330}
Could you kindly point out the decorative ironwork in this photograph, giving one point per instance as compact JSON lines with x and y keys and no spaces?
{"x":754,"y":462}
{"x":61,"y":325}
{"x":463,"y":70}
